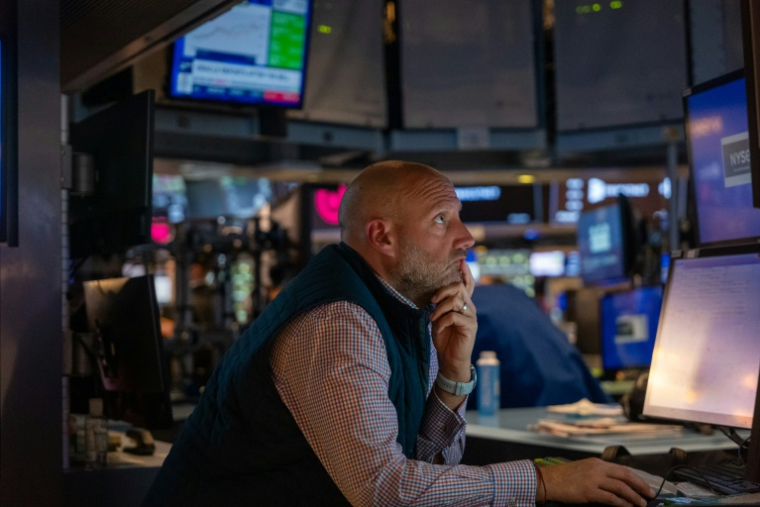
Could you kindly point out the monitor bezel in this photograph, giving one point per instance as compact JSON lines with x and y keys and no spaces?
{"x":237,"y":105}
{"x":676,"y":256}
{"x":8,"y":143}
{"x":689,"y":92}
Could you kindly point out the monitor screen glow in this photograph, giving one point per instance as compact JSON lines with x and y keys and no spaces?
{"x":706,"y":357}
{"x":718,"y":142}
{"x":547,"y":263}
{"x":253,"y":54}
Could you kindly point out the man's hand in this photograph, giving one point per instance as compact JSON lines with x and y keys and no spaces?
{"x":594,"y":480}
{"x":454,"y":331}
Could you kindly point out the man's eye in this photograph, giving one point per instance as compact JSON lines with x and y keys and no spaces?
{"x":439,"y":219}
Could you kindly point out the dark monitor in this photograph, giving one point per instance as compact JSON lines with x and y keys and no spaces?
{"x":706,"y":357}
{"x":606,"y":242}
{"x":750,"y":18}
{"x":629,"y":322}
{"x":619,"y":63}
{"x":254,"y":54}
{"x":123,"y":314}
{"x":118,"y":214}
{"x":719,"y":156}
{"x":511,"y":204}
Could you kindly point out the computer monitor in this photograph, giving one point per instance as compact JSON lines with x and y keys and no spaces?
{"x":547,"y":263}
{"x":707,"y":354}
{"x":629,"y":322}
{"x":118,"y":214}
{"x":229,"y":196}
{"x":123,"y":314}
{"x":606,"y":242}
{"x":254,"y":54}
{"x":511,"y":204}
{"x":719,"y":157}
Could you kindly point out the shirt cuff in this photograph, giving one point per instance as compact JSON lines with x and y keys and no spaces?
{"x":514,"y":483}
{"x":441,"y":430}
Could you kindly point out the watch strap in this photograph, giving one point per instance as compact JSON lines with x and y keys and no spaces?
{"x":457,"y":388}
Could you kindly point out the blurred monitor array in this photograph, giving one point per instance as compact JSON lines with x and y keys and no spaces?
{"x":719,"y":156}
{"x":507,"y":266}
{"x":254,"y":54}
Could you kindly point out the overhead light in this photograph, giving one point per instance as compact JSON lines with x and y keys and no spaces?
{"x":526,"y":178}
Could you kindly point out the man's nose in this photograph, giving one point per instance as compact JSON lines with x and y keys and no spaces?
{"x":464,"y":239}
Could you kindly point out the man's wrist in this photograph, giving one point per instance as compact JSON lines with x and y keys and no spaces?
{"x":458,"y":373}
{"x":457,"y":388}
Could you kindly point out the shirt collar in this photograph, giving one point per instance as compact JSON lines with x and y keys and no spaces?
{"x":396,"y":293}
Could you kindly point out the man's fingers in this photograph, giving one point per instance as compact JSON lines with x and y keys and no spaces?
{"x":467,"y":278}
{"x":448,"y":291}
{"x":627,"y":475}
{"x":453,"y":304}
{"x":610,"y":498}
{"x":452,"y":319}
{"x":624,"y":491}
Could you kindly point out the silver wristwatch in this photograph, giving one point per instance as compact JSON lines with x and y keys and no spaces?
{"x":457,"y":388}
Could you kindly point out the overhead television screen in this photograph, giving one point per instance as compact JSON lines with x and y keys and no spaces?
{"x":619,"y":63}
{"x":254,"y":54}
{"x":718,"y":142}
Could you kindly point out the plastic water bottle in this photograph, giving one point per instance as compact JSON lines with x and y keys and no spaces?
{"x":489,"y":389}
{"x":95,"y":437}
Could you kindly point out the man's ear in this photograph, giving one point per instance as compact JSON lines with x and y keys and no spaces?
{"x":381,"y":236}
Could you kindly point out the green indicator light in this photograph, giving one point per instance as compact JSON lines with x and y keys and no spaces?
{"x":597,"y":7}
{"x":324,"y":29}
{"x":616,"y":4}
{"x":579,"y":10}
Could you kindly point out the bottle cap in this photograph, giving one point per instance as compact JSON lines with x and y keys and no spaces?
{"x":96,"y":407}
{"x":488,"y":354}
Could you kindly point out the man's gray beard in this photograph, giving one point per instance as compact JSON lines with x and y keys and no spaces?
{"x":421,"y":277}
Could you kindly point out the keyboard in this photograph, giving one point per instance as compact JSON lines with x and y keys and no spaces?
{"x":726,"y":478}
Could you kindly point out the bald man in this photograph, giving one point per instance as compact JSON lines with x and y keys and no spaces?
{"x":350,"y":388}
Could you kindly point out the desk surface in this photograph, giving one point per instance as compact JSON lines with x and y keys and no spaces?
{"x":511,"y":425}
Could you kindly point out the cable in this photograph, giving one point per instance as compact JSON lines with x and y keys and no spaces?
{"x":678,"y":467}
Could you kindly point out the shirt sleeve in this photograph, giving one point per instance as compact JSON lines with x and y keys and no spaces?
{"x":331,"y":371}
{"x":442,"y":429}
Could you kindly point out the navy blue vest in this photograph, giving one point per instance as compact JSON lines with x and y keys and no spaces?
{"x":241,"y":445}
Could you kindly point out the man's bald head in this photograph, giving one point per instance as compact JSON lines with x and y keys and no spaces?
{"x":379,"y":193}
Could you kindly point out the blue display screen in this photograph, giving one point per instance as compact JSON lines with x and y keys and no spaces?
{"x":629,"y":327}
{"x":719,"y":156}
{"x":255,"y":53}
{"x":600,"y":243}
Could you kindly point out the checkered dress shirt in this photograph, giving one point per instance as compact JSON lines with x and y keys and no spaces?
{"x":331,"y":370}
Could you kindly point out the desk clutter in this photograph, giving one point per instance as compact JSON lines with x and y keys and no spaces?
{"x":584,"y":418}
{"x":601,"y":426}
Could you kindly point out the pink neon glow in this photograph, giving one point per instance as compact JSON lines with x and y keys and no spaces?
{"x":327,"y":202}
{"x":160,"y":231}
